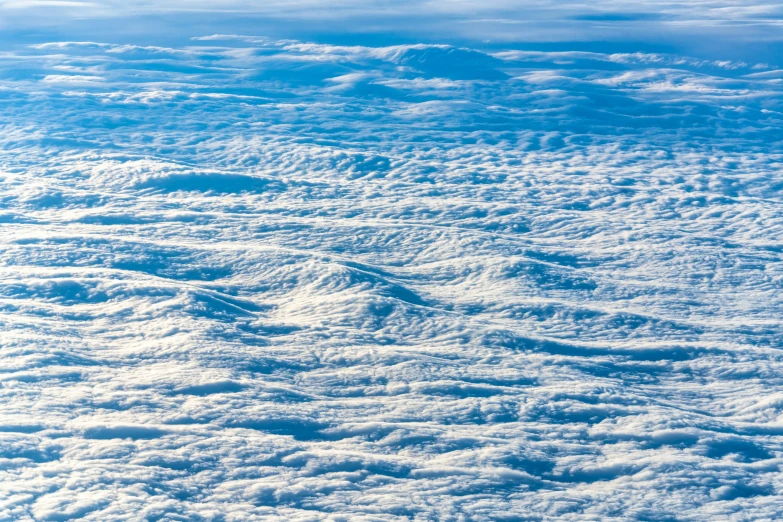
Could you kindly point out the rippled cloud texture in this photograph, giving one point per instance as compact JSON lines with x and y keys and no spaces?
{"x":417,"y":275}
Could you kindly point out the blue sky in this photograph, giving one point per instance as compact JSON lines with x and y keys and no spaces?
{"x":736,"y":29}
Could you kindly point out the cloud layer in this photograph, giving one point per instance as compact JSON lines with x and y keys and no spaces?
{"x":259,"y":279}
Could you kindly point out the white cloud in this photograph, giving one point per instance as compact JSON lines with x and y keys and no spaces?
{"x":71,"y":78}
{"x":269,"y":279}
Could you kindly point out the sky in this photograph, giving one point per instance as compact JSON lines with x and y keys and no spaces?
{"x":736,"y":29}
{"x":391,"y":261}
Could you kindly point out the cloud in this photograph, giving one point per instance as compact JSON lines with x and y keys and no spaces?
{"x":71,"y":78}
{"x":259,"y":278}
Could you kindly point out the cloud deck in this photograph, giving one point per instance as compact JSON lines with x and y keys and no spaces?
{"x":248,"y":279}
